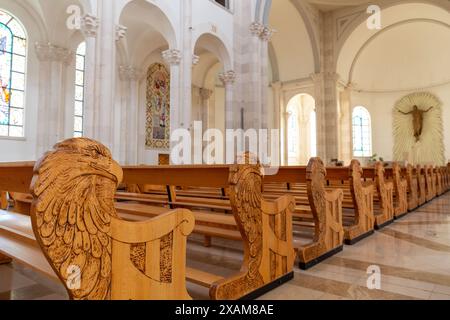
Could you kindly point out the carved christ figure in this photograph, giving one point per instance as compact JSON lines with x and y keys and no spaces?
{"x":417,"y":120}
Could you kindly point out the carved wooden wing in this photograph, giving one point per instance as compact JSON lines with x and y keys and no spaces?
{"x":73,"y":189}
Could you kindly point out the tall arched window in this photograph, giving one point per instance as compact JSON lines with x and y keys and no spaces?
{"x":301,"y":127}
{"x":362,"y":133}
{"x":79,"y":90}
{"x":313,"y":133}
{"x":13,"y":51}
{"x":294,"y":133}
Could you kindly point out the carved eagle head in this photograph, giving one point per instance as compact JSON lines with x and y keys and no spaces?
{"x":73,"y":189}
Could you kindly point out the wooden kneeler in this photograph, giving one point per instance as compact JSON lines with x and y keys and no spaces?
{"x":96,"y":255}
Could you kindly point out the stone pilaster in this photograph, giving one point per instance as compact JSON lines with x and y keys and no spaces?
{"x":173,"y":57}
{"x":130,"y":119}
{"x":228,"y":78}
{"x":53,"y":63}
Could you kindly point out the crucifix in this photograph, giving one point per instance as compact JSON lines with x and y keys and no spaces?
{"x":417,"y":120}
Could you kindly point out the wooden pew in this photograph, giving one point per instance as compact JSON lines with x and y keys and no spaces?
{"x":358,"y":219}
{"x":74,"y":233}
{"x":400,"y":190}
{"x":413,"y":186}
{"x":265,"y":227}
{"x":429,"y":183}
{"x":422,"y":184}
{"x":384,"y":200}
{"x":326,"y":218}
{"x":321,"y":208}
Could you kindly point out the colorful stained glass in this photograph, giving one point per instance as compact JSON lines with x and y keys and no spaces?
{"x":79,"y":90}
{"x":12,"y":75}
{"x":158,"y":107}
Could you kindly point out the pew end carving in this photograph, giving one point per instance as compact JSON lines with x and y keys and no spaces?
{"x":96,"y":255}
{"x":326,"y":208}
{"x":401,"y":192}
{"x":266,"y":230}
{"x":413,"y":188}
{"x":362,"y":196}
{"x":385,"y":215}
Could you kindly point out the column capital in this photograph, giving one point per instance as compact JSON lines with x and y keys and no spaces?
{"x":261,"y":31}
{"x":121,"y":31}
{"x":315,"y":77}
{"x":89,"y":26}
{"x":50,"y":52}
{"x":130,"y":73}
{"x":195,"y":60}
{"x":172,"y":56}
{"x":228,"y":77}
{"x":205,"y":94}
{"x":256,"y":28}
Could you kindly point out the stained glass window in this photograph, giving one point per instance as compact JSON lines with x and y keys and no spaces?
{"x":79,"y":90}
{"x":362,"y":133}
{"x":158,"y":107}
{"x":13,"y":46}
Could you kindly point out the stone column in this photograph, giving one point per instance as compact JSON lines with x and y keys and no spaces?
{"x":345,"y":125}
{"x":52,"y":87}
{"x":205,"y":95}
{"x":321,"y":116}
{"x":186,"y":65}
{"x":89,"y":28}
{"x":129,"y":142}
{"x":228,"y":78}
{"x":105,"y":75}
{"x":173,"y":58}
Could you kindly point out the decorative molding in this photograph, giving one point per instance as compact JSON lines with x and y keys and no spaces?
{"x":256,"y":29}
{"x":261,"y":31}
{"x":267,"y":33}
{"x":195,"y":60}
{"x":50,"y":52}
{"x":89,"y":26}
{"x":205,"y":94}
{"x":121,"y":31}
{"x":130,"y":73}
{"x":172,"y":56}
{"x":228,"y":77}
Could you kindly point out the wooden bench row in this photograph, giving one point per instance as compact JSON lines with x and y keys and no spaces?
{"x":80,"y":227}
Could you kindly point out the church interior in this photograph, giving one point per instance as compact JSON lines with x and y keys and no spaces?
{"x":224,"y":150}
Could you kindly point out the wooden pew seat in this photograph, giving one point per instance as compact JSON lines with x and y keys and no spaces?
{"x":18,"y":242}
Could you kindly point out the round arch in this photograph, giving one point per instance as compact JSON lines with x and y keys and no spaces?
{"x":216,"y":44}
{"x":358,"y":36}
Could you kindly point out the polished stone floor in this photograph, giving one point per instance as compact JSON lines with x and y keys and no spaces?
{"x":413,"y":255}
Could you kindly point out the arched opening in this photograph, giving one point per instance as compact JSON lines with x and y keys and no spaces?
{"x":301,"y":130}
{"x":362,"y":133}
{"x":380,"y":70}
{"x":208,"y":86}
{"x":145,"y":82}
{"x":13,"y":60}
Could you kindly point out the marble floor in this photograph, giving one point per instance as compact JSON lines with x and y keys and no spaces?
{"x":413,"y":255}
